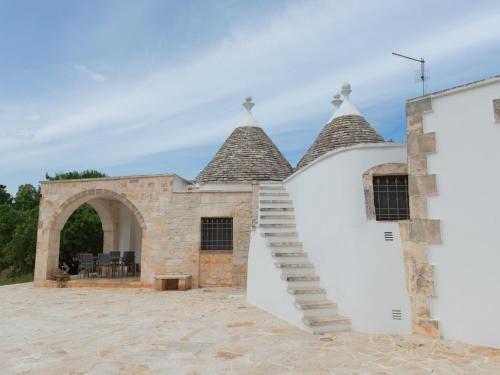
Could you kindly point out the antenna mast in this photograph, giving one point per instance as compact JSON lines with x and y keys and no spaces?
{"x":423,"y":77}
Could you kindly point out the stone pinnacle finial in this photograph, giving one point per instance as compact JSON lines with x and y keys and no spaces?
{"x":337,"y":101}
{"x":248,"y":103}
{"x":248,"y":120}
{"x":346,"y":90}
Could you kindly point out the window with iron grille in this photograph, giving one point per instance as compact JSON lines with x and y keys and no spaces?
{"x":391,"y":197}
{"x":216,"y":233}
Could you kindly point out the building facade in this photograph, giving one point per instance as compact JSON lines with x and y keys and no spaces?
{"x":364,"y":234}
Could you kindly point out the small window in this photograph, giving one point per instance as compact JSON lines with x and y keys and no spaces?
{"x":216,"y":233}
{"x":391,"y":197}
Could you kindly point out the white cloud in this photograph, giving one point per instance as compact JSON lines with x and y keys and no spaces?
{"x":292,"y":64}
{"x":92,"y":74}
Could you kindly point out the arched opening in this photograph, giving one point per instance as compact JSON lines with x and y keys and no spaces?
{"x":82,"y":233}
{"x":122,"y":229}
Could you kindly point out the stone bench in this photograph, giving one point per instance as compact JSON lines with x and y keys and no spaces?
{"x":172,"y":282}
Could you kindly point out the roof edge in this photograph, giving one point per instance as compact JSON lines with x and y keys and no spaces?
{"x":340,"y":150}
{"x":46,"y":182}
{"x":455,"y":89}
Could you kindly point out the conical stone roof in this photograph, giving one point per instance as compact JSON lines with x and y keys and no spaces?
{"x":346,"y":128}
{"x":247,"y":155}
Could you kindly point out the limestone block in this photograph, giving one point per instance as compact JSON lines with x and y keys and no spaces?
{"x":423,"y":143}
{"x":426,"y":327}
{"x":418,"y":207}
{"x":425,"y":230}
{"x":422,"y":185}
{"x":421,"y":280}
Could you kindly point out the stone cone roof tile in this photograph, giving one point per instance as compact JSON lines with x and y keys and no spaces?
{"x":340,"y":132}
{"x":247,"y":155}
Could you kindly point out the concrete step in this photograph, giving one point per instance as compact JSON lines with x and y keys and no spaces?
{"x":268,"y":233}
{"x":284,"y":242}
{"x":296,"y":271}
{"x":285,"y":253}
{"x":317,"y":308}
{"x":276,"y":205}
{"x":323,"y":324}
{"x":301,"y":281}
{"x":277,"y":221}
{"x":272,"y":187}
{"x":280,"y":225}
{"x":290,"y":246}
{"x":267,"y":194}
{"x":306,"y":290}
{"x":276,"y":216}
{"x":294,"y":265}
{"x":275,"y":201}
{"x":276,"y":230}
{"x":294,"y":278}
{"x":272,"y":210}
{"x":308,"y":293}
{"x":290,"y":257}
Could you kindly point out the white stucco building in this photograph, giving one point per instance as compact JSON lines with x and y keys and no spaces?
{"x":362,"y":234}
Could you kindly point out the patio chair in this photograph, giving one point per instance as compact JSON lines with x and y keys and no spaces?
{"x":86,"y":263}
{"x":115,"y":261}
{"x":129,"y":261}
{"x":104,"y":261}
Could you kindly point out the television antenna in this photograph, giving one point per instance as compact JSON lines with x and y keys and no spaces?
{"x":423,"y":77}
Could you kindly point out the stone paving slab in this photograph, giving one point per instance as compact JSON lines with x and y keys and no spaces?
{"x":202,"y":331}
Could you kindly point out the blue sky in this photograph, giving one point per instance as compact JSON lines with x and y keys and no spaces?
{"x":139,"y":87}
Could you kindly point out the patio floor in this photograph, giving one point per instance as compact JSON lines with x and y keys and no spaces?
{"x":203,"y":331}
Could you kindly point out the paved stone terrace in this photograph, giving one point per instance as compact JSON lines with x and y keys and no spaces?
{"x":204,"y":331}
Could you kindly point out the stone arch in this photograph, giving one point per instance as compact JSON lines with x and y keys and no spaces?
{"x":48,"y":245}
{"x":379,"y":170}
{"x":76,"y":200}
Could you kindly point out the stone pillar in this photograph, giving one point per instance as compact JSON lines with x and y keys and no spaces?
{"x":420,"y":231}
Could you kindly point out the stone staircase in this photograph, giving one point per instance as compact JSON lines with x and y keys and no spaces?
{"x":277,"y":223}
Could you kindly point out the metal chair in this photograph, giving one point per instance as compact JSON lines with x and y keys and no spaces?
{"x":86,"y":263}
{"x":104,"y":261}
{"x":129,"y":261}
{"x":115,"y":262}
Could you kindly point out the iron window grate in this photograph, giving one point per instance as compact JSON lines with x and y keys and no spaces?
{"x":216,"y":233}
{"x":391,"y":198}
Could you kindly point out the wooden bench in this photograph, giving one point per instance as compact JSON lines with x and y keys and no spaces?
{"x":172,"y":282}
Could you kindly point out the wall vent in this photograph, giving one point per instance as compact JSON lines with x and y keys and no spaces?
{"x":388,"y":236}
{"x":397,"y":315}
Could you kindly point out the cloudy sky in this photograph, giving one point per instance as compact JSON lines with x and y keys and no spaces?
{"x":139,"y":87}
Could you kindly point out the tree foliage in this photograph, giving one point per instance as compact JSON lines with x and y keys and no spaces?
{"x":74,"y":175}
{"x":19,"y":223}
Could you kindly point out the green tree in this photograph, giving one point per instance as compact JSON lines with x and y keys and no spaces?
{"x":5,"y":197}
{"x":9,"y":220}
{"x":75,"y":175}
{"x":27,"y":197}
{"x":81,"y":233}
{"x":19,"y":253}
{"x":19,"y":223}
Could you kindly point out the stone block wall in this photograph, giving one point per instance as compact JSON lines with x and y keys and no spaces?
{"x":169,"y":221}
{"x":420,"y":231}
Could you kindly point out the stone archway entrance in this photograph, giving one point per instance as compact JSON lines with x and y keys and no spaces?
{"x":123,"y":225}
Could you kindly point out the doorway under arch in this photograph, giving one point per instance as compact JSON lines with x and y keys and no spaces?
{"x":123,"y":228}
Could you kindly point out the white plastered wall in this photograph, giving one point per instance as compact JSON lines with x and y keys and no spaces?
{"x":362,"y":272}
{"x":467,"y":165}
{"x":129,"y":232}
